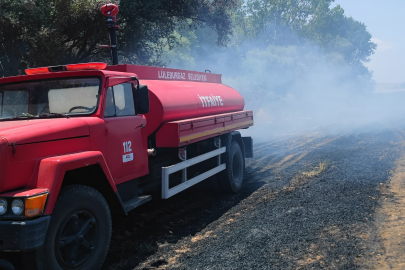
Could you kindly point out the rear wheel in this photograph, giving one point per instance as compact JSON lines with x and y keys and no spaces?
{"x":79,"y":233}
{"x":5,"y":265}
{"x":232,"y":178}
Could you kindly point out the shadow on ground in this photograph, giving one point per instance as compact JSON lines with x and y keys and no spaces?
{"x":138,"y":235}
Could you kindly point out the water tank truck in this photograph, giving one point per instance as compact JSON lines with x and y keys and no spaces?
{"x":81,"y":142}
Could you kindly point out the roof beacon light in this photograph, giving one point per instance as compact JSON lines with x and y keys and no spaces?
{"x":72,"y":67}
{"x":110,"y":10}
{"x":86,"y":66}
{"x":33,"y":71}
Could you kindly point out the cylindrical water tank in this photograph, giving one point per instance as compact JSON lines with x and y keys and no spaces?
{"x":178,"y":100}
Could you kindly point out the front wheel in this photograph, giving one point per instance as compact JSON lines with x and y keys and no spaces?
{"x":79,"y":233}
{"x":232,"y":178}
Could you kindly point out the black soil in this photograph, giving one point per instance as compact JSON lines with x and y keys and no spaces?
{"x":291,"y":214}
{"x":283,"y":218}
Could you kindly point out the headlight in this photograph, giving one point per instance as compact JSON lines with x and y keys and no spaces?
{"x":3,"y":206}
{"x":17,"y":206}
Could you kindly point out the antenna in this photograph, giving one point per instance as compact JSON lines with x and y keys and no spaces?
{"x":111,"y":11}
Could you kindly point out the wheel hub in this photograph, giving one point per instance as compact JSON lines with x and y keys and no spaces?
{"x":76,"y":239}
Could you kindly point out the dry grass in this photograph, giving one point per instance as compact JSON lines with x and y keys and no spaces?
{"x":322,"y":166}
{"x":390,"y":222}
{"x":304,"y":178}
{"x":200,"y":237}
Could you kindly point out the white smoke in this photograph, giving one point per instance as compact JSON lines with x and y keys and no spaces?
{"x":294,"y":89}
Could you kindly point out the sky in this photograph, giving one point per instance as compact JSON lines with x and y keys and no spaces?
{"x":385,"y":21}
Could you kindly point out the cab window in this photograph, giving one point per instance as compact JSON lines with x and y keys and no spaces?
{"x":73,"y":96}
{"x":13,"y":103}
{"x":119,"y":101}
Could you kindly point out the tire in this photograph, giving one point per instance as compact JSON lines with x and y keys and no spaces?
{"x":232,"y":178}
{"x":5,"y":265}
{"x":78,"y":209}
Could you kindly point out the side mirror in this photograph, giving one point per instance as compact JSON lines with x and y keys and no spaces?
{"x":141,"y":97}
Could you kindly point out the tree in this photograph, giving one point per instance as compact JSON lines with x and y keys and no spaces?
{"x":300,"y":22}
{"x":276,"y":20}
{"x":41,"y":33}
{"x":337,"y":33}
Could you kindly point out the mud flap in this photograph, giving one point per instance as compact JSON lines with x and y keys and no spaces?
{"x":248,"y":143}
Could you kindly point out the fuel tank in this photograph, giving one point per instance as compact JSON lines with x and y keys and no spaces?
{"x":180,"y":94}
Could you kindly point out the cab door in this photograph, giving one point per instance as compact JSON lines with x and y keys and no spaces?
{"x":126,"y":154}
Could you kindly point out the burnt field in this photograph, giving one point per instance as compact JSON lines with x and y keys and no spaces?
{"x":311,"y":201}
{"x":314,"y":201}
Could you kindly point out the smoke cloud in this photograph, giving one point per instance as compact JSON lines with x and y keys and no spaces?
{"x":300,"y":88}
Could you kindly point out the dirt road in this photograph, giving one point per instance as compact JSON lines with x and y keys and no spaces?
{"x":309,"y":202}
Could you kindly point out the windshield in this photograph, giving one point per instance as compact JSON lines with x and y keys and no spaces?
{"x":49,"y":97}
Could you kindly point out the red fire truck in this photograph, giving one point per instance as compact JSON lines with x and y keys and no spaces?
{"x":80,"y":142}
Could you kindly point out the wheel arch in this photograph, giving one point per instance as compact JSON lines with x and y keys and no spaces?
{"x":231,"y":137}
{"x":57,"y":172}
{"x":94,"y":177}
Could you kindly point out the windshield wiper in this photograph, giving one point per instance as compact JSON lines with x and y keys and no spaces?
{"x":23,"y":116}
{"x":45,"y":115}
{"x":30,"y":116}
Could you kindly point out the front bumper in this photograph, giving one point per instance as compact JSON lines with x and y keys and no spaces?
{"x":23,"y":235}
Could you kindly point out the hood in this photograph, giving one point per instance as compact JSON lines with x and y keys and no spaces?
{"x":42,"y":130}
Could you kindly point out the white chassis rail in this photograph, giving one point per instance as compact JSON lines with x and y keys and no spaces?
{"x":166,"y":171}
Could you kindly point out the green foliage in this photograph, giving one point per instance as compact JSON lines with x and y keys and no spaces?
{"x":218,"y":35}
{"x":278,"y":15}
{"x":41,"y":33}
{"x":302,"y":23}
{"x":335,"y":32}
{"x":48,"y":33}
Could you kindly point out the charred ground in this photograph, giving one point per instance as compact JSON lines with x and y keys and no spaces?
{"x":320,"y":200}
{"x":309,"y":201}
